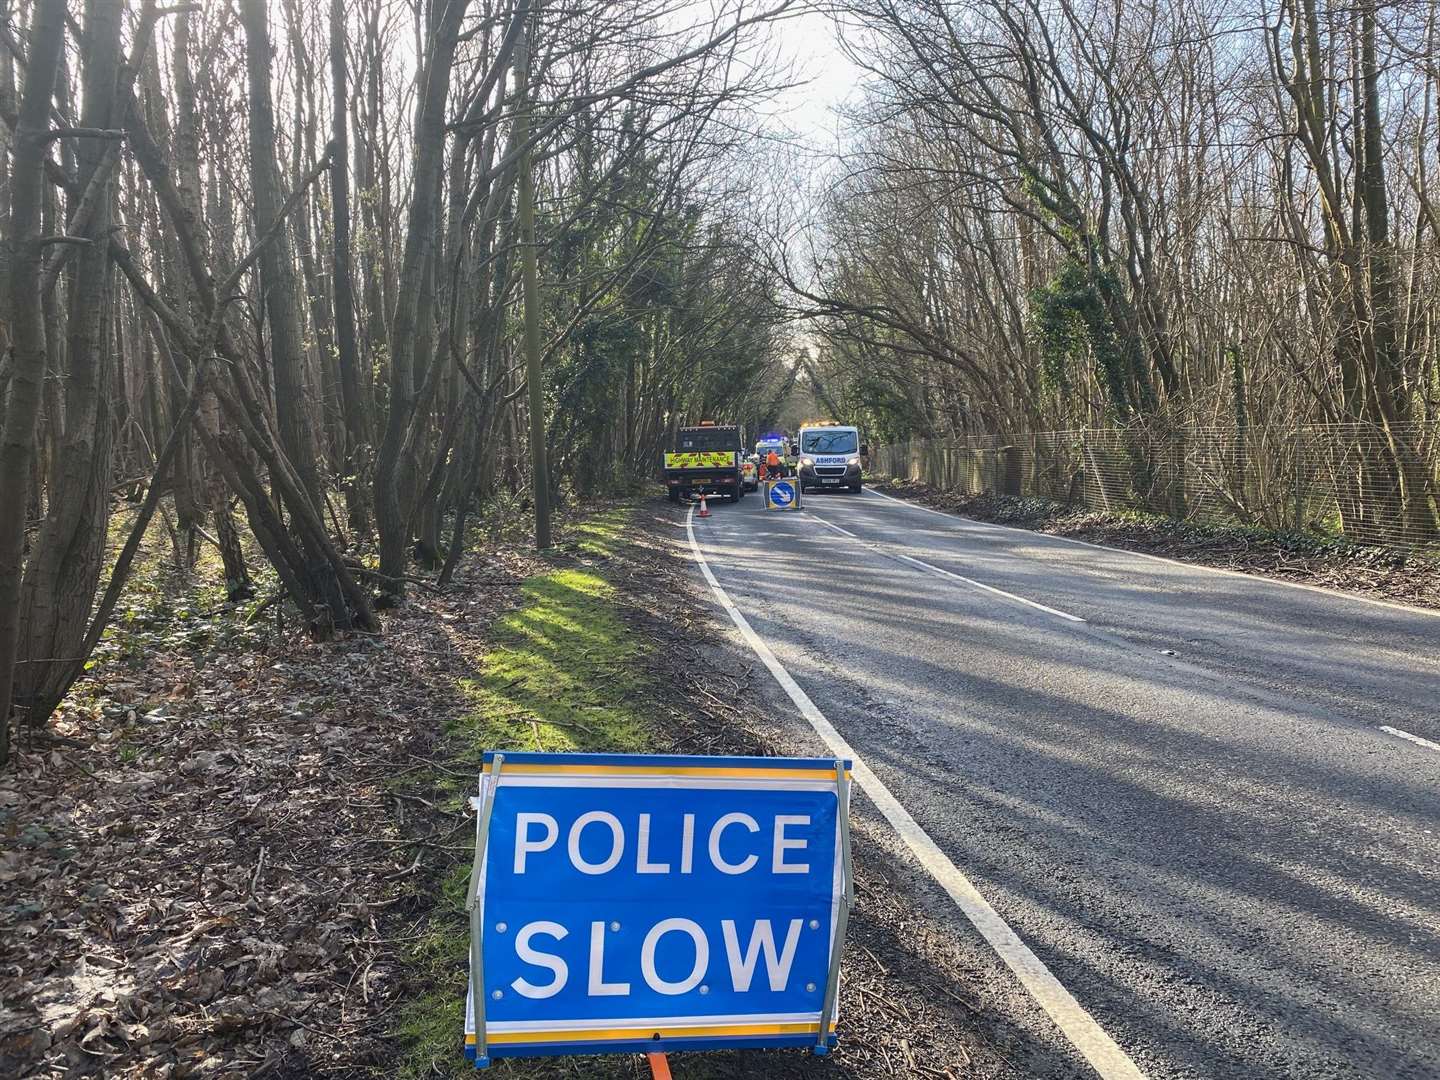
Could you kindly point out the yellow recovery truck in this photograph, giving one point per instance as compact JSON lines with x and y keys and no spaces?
{"x":707,"y":459}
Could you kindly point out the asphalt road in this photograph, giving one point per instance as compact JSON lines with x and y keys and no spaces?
{"x":1184,"y":804}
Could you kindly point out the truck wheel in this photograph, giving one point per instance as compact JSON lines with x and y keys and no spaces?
{"x":674,"y":495}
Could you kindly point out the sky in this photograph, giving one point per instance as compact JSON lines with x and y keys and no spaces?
{"x":809,"y":41}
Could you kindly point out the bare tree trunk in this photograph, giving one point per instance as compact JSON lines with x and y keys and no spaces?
{"x":188,"y":186}
{"x":27,"y":329}
{"x":392,"y":505}
{"x":62,"y":576}
{"x":277,"y":268}
{"x":540,"y":474}
{"x":355,"y":396}
{"x":314,"y":570}
{"x":238,"y":585}
{"x":7,"y":108}
{"x":374,"y":223}
{"x":174,"y":370}
{"x":1393,"y":396}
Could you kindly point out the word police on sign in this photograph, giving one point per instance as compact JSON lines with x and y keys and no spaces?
{"x":636,"y":903}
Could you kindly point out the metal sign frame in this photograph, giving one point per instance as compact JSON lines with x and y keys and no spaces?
{"x":660,"y":772}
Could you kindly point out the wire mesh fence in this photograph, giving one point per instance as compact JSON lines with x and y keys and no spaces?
{"x":1371,"y":485}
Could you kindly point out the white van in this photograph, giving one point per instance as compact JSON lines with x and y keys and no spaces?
{"x":830,"y":457}
{"x":765,"y":445}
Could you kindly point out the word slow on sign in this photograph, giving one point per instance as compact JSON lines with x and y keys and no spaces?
{"x":638,"y":903}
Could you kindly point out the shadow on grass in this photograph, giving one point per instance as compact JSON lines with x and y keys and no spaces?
{"x":564,"y":672}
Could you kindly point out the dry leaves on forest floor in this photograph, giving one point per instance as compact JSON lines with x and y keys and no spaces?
{"x":202,"y":876}
{"x":1385,"y":573}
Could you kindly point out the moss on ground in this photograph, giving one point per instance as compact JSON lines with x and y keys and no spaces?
{"x":563,"y":672}
{"x":429,"y":1027}
{"x":166,"y":607}
{"x":602,"y":535}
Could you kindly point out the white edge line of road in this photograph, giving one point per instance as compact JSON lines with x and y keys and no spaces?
{"x":946,"y":573}
{"x":1088,"y":1037}
{"x":1416,"y":739}
{"x":1334,"y":594}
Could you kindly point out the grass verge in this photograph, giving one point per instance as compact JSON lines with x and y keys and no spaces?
{"x":563,"y":672}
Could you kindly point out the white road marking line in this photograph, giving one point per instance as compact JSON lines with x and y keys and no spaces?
{"x":1334,"y":594}
{"x":1413,"y":738}
{"x":1077,"y":1025}
{"x":946,"y":573}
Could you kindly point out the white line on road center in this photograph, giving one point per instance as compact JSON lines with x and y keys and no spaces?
{"x":1406,"y":735}
{"x":1077,"y":1025}
{"x":1334,"y":594}
{"x":1144,"y":555}
{"x":946,"y":573}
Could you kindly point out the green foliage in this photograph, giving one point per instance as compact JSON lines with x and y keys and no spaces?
{"x":881,"y":408}
{"x":165,"y":608}
{"x":148,"y":620}
{"x":586,"y":382}
{"x":659,"y":315}
{"x":1072,"y":321}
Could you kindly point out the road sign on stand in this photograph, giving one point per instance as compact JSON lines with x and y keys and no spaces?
{"x":782,"y":494}
{"x":630,"y":903}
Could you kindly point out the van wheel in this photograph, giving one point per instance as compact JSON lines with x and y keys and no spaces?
{"x":855,"y":488}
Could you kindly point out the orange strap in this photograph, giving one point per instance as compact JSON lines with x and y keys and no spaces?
{"x":659,"y":1067}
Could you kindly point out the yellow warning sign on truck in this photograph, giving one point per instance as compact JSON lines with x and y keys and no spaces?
{"x":701,"y":459}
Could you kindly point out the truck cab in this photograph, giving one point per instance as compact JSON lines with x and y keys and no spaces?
{"x":706,"y":460}
{"x":830,"y":457}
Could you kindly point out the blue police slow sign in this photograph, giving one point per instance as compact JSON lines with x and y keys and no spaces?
{"x":650,"y":903}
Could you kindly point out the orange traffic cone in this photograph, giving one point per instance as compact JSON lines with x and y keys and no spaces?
{"x":704,"y":510}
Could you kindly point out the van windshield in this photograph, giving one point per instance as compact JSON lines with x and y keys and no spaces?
{"x":829,"y":442}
